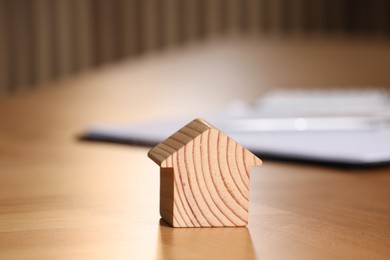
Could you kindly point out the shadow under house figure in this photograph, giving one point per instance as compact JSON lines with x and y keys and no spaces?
{"x":204,"y":177}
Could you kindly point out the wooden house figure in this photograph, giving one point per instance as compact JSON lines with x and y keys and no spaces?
{"x":204,"y":177}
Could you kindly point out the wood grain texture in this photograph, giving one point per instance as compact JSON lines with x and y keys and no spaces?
{"x":204,"y":177}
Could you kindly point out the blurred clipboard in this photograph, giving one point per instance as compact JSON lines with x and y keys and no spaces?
{"x":357,"y":140}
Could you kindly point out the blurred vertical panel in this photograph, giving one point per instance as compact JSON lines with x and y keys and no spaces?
{"x":182,"y":21}
{"x":105,"y":30}
{"x":348,"y":14}
{"x":320,"y":10}
{"x":329,"y":13}
{"x":307,"y":16}
{"x":201,"y":19}
{"x":338,"y":15}
{"x":233,"y":15}
{"x":46,"y":39}
{"x":253,"y":13}
{"x":63,"y":34}
{"x":20,"y":43}
{"x":3,"y":48}
{"x":367,"y":10}
{"x":127,"y":27}
{"x":296,"y":14}
{"x":379,"y":22}
{"x":171,"y":22}
{"x":275,"y":16}
{"x":223,"y":19}
{"x":351,"y":22}
{"x":42,"y":41}
{"x":192,"y":19}
{"x":212,"y":17}
{"x":314,"y":15}
{"x":387,"y":15}
{"x":243,"y":15}
{"x":161,"y":20}
{"x":286,"y":16}
{"x":265,"y":16}
{"x":83,"y":42}
{"x":149,"y":17}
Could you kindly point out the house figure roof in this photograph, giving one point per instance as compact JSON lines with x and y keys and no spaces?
{"x":204,"y":177}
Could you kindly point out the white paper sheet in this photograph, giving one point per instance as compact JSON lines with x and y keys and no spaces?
{"x":352,"y":141}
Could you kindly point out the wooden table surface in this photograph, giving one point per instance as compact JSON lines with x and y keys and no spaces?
{"x":61,"y":198}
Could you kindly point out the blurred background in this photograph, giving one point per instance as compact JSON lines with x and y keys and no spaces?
{"x":44,"y":40}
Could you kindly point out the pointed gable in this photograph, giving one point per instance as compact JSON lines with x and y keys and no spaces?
{"x":178,"y":140}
